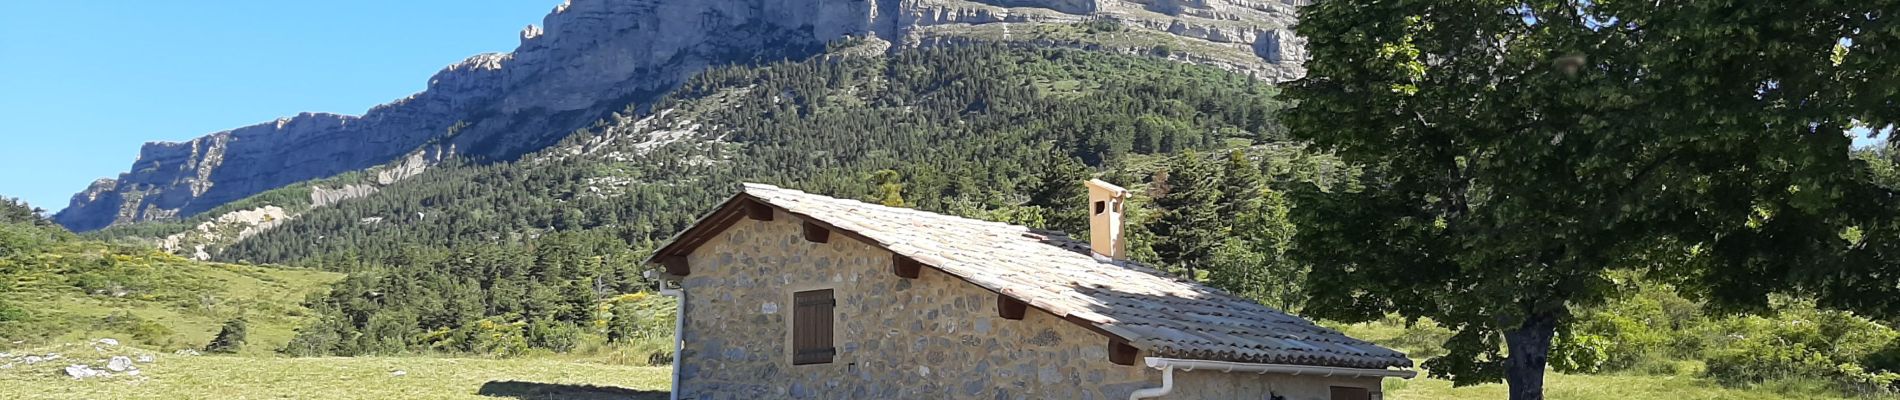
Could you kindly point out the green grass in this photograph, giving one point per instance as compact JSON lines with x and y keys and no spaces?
{"x":239,"y":377}
{"x":266,"y":377}
{"x":1602,"y":387}
{"x":1423,"y":341}
{"x":83,"y":291}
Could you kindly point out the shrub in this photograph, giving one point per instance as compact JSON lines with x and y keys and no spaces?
{"x":320,"y":338}
{"x":556,"y":336}
{"x":1887,"y":358}
{"x":9,"y":313}
{"x":22,"y":239}
{"x":1651,"y":322}
{"x":230,"y":338}
{"x":1103,"y":25}
{"x":1575,"y":353}
{"x":640,"y":315}
{"x":489,"y":336}
{"x":1800,"y":342}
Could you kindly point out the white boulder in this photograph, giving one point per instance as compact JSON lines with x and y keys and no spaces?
{"x":120,"y":364}
{"x":79,"y":371}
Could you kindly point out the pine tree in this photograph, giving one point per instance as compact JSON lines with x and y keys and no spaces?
{"x":230,"y":338}
{"x":1189,"y":228}
{"x":1060,"y":193}
{"x":1241,"y":186}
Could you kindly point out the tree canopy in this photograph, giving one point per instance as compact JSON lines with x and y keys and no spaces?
{"x":1516,"y":152}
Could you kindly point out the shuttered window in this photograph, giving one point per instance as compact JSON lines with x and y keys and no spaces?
{"x":1351,"y":393}
{"x":811,"y":327}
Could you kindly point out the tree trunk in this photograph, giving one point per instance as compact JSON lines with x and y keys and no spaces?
{"x":1530,"y":352}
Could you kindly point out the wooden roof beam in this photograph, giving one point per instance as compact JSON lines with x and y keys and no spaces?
{"x":676,"y":265}
{"x":815,"y":233}
{"x":1010,"y":308}
{"x":758,"y":211}
{"x":1122,"y":353}
{"x":906,"y":267}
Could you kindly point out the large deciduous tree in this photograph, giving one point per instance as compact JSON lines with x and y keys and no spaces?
{"x":1516,"y":151}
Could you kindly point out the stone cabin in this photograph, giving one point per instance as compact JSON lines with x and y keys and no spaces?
{"x":790,"y":295}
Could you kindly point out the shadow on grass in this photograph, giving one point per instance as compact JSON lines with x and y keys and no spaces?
{"x":538,"y":391}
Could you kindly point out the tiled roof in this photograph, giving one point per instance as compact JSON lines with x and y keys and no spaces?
{"x":1160,"y":314}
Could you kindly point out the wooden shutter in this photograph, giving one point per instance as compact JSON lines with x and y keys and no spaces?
{"x":811,"y":327}
{"x":1351,"y":393}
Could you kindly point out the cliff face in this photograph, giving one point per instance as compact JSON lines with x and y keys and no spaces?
{"x":594,"y":57}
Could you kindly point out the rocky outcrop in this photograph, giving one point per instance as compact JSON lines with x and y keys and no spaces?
{"x":200,"y":241}
{"x":591,"y":58}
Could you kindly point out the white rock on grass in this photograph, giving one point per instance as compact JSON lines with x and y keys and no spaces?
{"x":77,"y":371}
{"x":30,"y":360}
{"x":187,"y":352}
{"x":120,"y":364}
{"x":147,"y":359}
{"x":109,"y":342}
{"x":399,"y":373}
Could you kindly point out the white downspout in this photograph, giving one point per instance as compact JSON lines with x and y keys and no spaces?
{"x":1168,"y":365}
{"x":679,"y":327}
{"x":1167,"y":385}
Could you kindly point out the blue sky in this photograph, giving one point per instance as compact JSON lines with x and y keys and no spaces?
{"x":84,"y":83}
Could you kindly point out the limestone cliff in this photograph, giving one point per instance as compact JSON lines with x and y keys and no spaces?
{"x":591,"y":58}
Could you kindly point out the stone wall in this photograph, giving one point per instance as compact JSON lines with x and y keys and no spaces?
{"x":934,"y":337}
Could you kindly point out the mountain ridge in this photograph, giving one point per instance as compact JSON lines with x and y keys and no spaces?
{"x":591,"y":58}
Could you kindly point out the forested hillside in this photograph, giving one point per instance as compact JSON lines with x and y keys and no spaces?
{"x":534,"y":251}
{"x":973,"y":126}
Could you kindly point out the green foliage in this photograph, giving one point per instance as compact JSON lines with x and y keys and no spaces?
{"x":1060,"y":196}
{"x":639,"y":316}
{"x":1799,"y":342}
{"x":1573,"y":353}
{"x":1252,"y":261}
{"x":555,"y":336}
{"x":1650,"y":322}
{"x":24,"y":229}
{"x":481,"y":299}
{"x":888,"y":188}
{"x":1189,"y":228}
{"x":230,"y":337}
{"x":491,"y":337}
{"x":1101,"y":25}
{"x":1503,"y":180}
{"x":10,"y":312}
{"x":317,"y":338}
{"x":1881,"y":163}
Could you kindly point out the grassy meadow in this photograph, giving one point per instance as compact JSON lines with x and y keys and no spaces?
{"x":82,"y":291}
{"x":262,"y":377}
{"x":254,"y":377}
